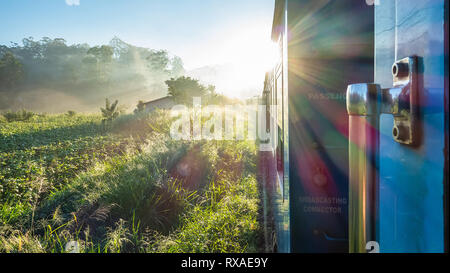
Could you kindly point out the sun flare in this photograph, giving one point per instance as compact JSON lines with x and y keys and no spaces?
{"x":248,"y":53}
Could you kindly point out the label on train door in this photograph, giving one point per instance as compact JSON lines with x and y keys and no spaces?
{"x":411,"y":179}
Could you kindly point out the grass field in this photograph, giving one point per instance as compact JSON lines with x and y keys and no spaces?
{"x":69,"y":180}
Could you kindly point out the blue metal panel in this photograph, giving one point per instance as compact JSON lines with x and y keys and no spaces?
{"x":411,"y":179}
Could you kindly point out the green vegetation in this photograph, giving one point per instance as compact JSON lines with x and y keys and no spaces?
{"x":183,"y":89}
{"x":42,"y":155}
{"x":37,"y":73}
{"x":140,"y":107}
{"x":110,"y":112}
{"x":65,"y":181}
{"x":11,"y":70}
{"x":23,"y":115}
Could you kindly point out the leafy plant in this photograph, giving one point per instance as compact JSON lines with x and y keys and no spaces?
{"x":110,"y":112}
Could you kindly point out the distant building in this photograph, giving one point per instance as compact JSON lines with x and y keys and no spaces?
{"x":161,"y":103}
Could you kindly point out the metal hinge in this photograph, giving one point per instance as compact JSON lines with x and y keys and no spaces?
{"x":401,"y":100}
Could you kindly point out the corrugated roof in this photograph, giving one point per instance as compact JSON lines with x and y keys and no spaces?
{"x":163,"y":98}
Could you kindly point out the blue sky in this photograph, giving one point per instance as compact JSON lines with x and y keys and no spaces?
{"x":199,"y":31}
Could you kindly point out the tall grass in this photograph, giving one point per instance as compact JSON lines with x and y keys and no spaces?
{"x":161,"y":196}
{"x":222,"y":222}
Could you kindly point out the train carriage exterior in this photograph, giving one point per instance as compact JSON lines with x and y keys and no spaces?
{"x":357,"y":110}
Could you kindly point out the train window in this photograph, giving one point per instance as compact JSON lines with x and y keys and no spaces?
{"x":267,"y":95}
{"x":279,"y":100}
{"x":279,"y":123}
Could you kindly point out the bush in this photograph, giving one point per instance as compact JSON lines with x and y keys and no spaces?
{"x":22,"y":115}
{"x":71,"y":113}
{"x":140,"y":107}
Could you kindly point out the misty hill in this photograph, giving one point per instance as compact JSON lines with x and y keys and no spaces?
{"x":50,"y":76}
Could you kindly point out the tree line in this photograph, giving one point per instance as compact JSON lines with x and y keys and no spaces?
{"x":84,"y":70}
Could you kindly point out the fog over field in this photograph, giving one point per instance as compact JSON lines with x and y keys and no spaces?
{"x":50,"y":76}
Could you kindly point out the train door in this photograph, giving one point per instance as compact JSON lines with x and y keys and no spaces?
{"x":399,"y":133}
{"x":330,"y":45}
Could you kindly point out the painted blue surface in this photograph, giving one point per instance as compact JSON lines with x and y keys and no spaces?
{"x":411,"y":179}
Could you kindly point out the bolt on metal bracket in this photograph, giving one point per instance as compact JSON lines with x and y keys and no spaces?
{"x":401,"y":100}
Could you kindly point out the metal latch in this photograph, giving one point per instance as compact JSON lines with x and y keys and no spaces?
{"x":402,"y":100}
{"x":365,"y":103}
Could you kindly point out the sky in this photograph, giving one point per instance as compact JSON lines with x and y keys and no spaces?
{"x":201,"y":32}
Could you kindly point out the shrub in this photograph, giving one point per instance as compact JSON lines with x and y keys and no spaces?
{"x":71,"y":113}
{"x":140,"y":107}
{"x":22,"y":115}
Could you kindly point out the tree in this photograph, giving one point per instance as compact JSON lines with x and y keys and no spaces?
{"x":31,"y":49}
{"x":54,"y":50}
{"x":110,"y":112}
{"x":140,"y":107}
{"x":3,"y":50}
{"x":83,"y":71}
{"x":103,"y":53}
{"x":11,"y":71}
{"x":183,"y":89}
{"x":177,"y":67}
{"x":158,"y":60}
